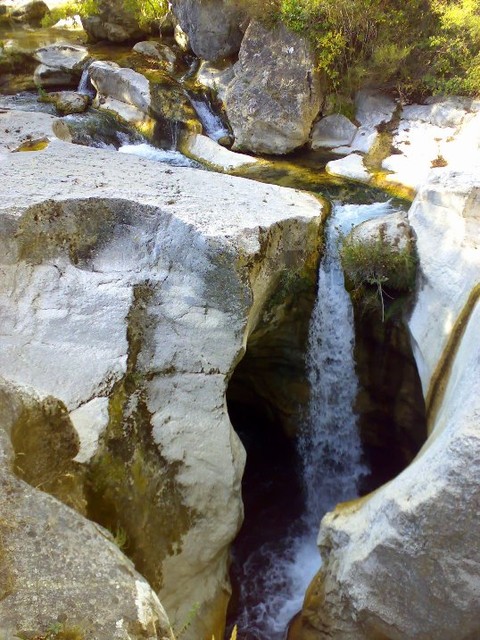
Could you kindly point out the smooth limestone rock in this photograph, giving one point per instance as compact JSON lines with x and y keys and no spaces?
{"x":333,"y":131}
{"x":141,"y":284}
{"x":404,"y":561}
{"x":208,"y":151}
{"x":350,"y":166}
{"x":441,"y":133}
{"x":372,"y":108}
{"x":213,"y":27}
{"x":275,"y":95}
{"x":18,"y":128}
{"x":61,"y":65}
{"x":122,"y":84}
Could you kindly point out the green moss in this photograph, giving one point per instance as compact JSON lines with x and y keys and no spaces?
{"x":50,"y":228}
{"x":131,"y":487}
{"x":57,"y":631}
{"x":7,"y":579}
{"x":45,"y":443}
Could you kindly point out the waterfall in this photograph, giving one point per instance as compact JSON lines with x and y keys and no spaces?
{"x":213,"y":125}
{"x":329,"y":447}
{"x":85,"y":86}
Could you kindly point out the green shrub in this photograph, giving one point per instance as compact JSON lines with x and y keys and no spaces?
{"x":456,"y":64}
{"x":375,"y":266}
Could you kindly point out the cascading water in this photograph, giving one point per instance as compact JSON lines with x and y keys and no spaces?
{"x":85,"y":86}
{"x":277,"y":574}
{"x":212,"y":123}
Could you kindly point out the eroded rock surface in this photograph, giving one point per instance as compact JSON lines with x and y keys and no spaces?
{"x":275,"y":95}
{"x":129,"y":292}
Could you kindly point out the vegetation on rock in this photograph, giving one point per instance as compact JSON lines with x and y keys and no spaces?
{"x":375,"y":268}
{"x":413,"y":48}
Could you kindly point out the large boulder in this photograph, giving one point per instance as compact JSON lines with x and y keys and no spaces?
{"x":138,"y":100}
{"x":129,"y":296}
{"x":404,"y":562}
{"x":275,"y":95}
{"x":113,"y":21}
{"x":54,"y":563}
{"x":213,"y":27}
{"x":28,"y":12}
{"x":61,"y":64}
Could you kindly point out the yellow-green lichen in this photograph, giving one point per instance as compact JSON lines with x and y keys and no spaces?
{"x":131,"y":486}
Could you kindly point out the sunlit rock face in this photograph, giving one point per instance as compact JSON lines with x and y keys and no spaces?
{"x":275,"y":95}
{"x":129,"y":291}
{"x":403,"y":562}
{"x":214,"y":27}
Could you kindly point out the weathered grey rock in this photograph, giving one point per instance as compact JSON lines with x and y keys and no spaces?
{"x":61,"y":65}
{"x":404,"y":561}
{"x":135,"y":99}
{"x":333,"y":131}
{"x":54,"y":563}
{"x":275,"y":95}
{"x":392,"y":228}
{"x":63,"y":55}
{"x":53,"y":77}
{"x":30,"y":12}
{"x":213,"y":27}
{"x":159,"y":52}
{"x":113,"y":22}
{"x":142,"y":284}
{"x":217,"y":78}
{"x":67,"y":102}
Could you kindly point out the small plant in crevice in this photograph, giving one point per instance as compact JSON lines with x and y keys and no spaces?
{"x":377,"y":271}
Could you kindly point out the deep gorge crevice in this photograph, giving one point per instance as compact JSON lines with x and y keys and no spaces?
{"x":267,"y":399}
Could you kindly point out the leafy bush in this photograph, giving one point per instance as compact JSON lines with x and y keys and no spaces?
{"x":412,"y":48}
{"x":456,"y":65}
{"x":374,"y":265}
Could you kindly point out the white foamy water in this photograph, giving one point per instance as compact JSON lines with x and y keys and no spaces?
{"x":329,"y":446}
{"x":168,"y":156}
{"x":85,"y":87}
{"x":212,"y":124}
